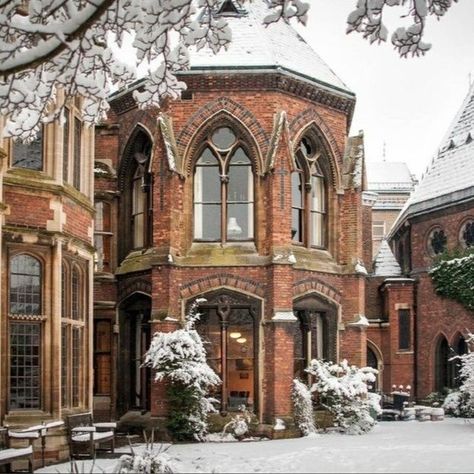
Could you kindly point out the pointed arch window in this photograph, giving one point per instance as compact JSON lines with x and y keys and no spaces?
{"x":309,"y":195}
{"x":223,"y":190}
{"x":140,"y":191}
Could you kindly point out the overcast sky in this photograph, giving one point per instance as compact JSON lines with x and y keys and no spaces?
{"x":408,"y":103}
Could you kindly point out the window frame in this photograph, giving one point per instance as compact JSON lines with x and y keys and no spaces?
{"x":17,"y":319}
{"x":72,"y":151}
{"x":310,"y":166}
{"x":224,"y":157}
{"x":73,"y":376}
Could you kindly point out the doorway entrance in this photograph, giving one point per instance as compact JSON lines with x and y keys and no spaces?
{"x":133,"y":380}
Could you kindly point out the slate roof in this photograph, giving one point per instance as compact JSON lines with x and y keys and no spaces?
{"x":385,"y":263}
{"x":449,"y":178}
{"x":276,"y":47}
{"x":388,"y":176}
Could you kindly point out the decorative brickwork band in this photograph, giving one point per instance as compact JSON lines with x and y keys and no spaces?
{"x":219,"y":280}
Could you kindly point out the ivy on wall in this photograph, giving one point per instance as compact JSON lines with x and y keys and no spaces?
{"x":453,"y":277}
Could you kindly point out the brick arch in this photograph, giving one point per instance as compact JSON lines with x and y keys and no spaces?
{"x":310,"y":118}
{"x":127,"y":288}
{"x":220,"y":280}
{"x":240,"y":115}
{"x":314,"y":285}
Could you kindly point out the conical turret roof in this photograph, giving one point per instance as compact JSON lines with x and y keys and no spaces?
{"x":276,"y":47}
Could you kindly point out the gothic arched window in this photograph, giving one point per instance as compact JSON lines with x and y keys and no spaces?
{"x":223,"y":190}
{"x":140,"y":193}
{"x":309,"y":195}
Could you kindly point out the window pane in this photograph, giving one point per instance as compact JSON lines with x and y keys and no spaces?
{"x":77,"y":153}
{"x":138,"y":230}
{"x":76,"y":295}
{"x":207,"y":184}
{"x":66,"y":145}
{"x":76,"y":365}
{"x":317,"y":194}
{"x":317,"y":229}
{"x":240,"y":359}
{"x":64,"y":310}
{"x":25,"y":379}
{"x":297,"y":190}
{"x":404,"y":333}
{"x":207,"y":221}
{"x":209,"y":328}
{"x":28,"y":155}
{"x":240,"y":187}
{"x":297,"y":225}
{"x":240,"y":221}
{"x":64,"y":359}
{"x":223,"y":138}
{"x":25,"y":285}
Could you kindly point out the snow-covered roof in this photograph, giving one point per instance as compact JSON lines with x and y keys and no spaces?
{"x":388,"y":176}
{"x":256,"y":46}
{"x":385,"y":263}
{"x":449,"y":177}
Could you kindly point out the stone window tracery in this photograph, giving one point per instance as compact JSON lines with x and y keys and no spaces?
{"x":223,"y":190}
{"x":309,"y":195}
{"x":467,"y":234}
{"x":437,"y":241}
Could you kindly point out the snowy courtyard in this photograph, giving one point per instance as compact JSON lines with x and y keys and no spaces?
{"x":446,"y":446}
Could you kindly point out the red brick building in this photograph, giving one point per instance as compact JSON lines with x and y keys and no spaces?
{"x":439,"y":217}
{"x":247,"y":192}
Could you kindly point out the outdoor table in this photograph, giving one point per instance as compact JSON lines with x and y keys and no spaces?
{"x":42,"y":430}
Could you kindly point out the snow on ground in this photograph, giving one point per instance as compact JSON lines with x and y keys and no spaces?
{"x":446,"y":446}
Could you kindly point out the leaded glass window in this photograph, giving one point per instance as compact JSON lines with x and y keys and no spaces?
{"x":28,"y":155}
{"x":25,"y":285}
{"x":25,"y":365}
{"x":223,"y":190}
{"x":404,"y":329}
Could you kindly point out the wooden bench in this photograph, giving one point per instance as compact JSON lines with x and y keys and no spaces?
{"x":85,"y":437}
{"x":9,"y":455}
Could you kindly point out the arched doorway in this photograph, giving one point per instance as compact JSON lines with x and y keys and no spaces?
{"x":460,"y":348}
{"x":442,"y":372}
{"x":374,"y":361}
{"x":229,"y":326}
{"x":315,"y":333}
{"x":133,"y":380}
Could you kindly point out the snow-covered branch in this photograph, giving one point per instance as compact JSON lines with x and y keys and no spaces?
{"x":367,"y":19}
{"x":54,"y":50}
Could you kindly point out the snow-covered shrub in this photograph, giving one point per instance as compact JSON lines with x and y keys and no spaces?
{"x":342,"y":390}
{"x":152,"y":461}
{"x":179,"y":358}
{"x":461,"y":403}
{"x":303,"y":408}
{"x":239,"y":423}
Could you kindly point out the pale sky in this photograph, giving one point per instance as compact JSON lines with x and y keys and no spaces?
{"x":408,"y":103}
